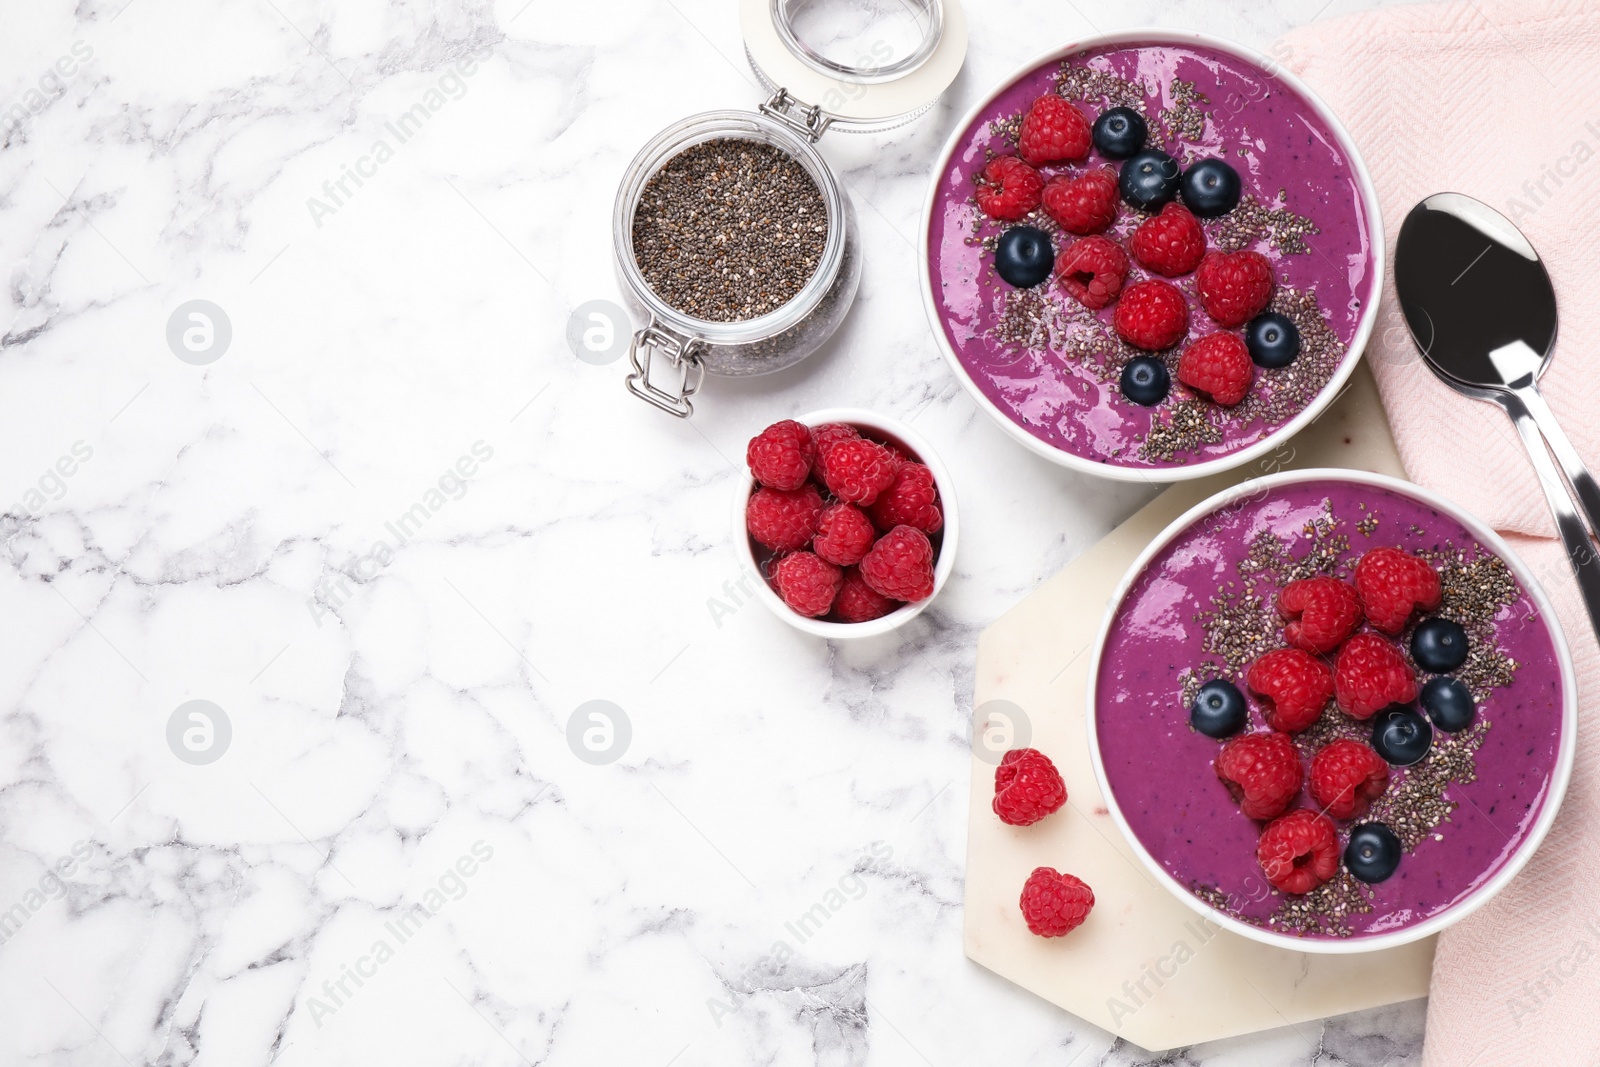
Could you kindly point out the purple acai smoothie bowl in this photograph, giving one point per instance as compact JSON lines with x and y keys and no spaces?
{"x":1050,"y":367}
{"x":1204,"y":606}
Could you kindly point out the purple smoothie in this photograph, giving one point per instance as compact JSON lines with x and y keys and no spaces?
{"x":1052,"y":366}
{"x":1493,"y":778}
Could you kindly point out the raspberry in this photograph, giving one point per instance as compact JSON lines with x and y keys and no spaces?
{"x":1299,"y":851}
{"x":1092,"y":271}
{"x":1322,"y":612}
{"x":1083,"y":205}
{"x":912,"y":500}
{"x":780,"y":456}
{"x":1233,"y":287}
{"x":1152,"y":315}
{"x":856,"y":471}
{"x":807,"y":582}
{"x":1054,"y":904}
{"x":1053,"y":131}
{"x":829,"y":434}
{"x":1294,"y":685}
{"x":859,"y":602}
{"x":1171,"y":243}
{"x":1392,"y":584}
{"x":1009,"y":188}
{"x":1371,"y":674}
{"x":783,"y":519}
{"x":1027,"y":787}
{"x":1261,"y":771}
{"x":844,"y":533}
{"x":900,"y":565}
{"x":1347,"y":776}
{"x":1218,"y":365}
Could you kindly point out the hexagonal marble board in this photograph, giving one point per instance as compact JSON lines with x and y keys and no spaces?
{"x":1145,"y":966}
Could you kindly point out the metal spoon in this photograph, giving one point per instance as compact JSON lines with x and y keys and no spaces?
{"x":1481,"y":309}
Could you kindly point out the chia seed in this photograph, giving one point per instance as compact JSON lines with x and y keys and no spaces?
{"x":1252,"y":221}
{"x":1185,"y":120}
{"x":729,"y":230}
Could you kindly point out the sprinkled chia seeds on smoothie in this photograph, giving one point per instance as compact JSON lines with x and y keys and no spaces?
{"x":729,"y":230}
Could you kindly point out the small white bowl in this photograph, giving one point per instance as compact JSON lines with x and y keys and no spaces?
{"x":897,"y":433}
{"x":1560,"y":775}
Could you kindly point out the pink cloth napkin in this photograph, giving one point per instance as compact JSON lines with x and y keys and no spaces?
{"x":1498,"y":99}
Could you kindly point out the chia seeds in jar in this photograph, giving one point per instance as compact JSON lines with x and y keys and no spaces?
{"x":729,"y":230}
{"x":735,"y":244}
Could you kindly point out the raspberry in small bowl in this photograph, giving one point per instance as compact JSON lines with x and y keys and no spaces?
{"x":1331,"y":711}
{"x":847,"y":522}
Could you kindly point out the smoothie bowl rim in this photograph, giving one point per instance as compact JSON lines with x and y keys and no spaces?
{"x":1560,"y":774}
{"x":1105,"y":467}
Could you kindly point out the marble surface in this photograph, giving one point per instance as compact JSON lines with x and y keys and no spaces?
{"x":395,"y":536}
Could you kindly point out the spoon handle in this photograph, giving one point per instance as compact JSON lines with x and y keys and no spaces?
{"x":1583,"y":482}
{"x":1574,"y":535}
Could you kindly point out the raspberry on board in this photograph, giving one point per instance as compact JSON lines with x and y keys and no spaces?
{"x":1321,"y":613}
{"x":1299,"y":851}
{"x":1294,"y":687}
{"x":1370,"y":674}
{"x":1027,"y":787}
{"x":783,"y":519}
{"x":1008,"y":188}
{"x":1151,"y":315}
{"x":1261,"y":771}
{"x":1053,"y":131}
{"x":1092,"y":270}
{"x":1055,"y":904}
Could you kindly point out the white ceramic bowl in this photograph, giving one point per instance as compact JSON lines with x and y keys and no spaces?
{"x":896,"y":433}
{"x":1106,"y":469}
{"x":1560,"y":774}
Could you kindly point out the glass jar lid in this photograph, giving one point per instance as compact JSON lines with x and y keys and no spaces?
{"x":860,"y":66}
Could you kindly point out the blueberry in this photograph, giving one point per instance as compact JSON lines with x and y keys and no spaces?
{"x":1210,"y":188}
{"x":1024,"y":256}
{"x":1119,"y":133}
{"x":1373,"y":852}
{"x":1448,"y":703}
{"x":1145,"y":381}
{"x":1439,"y":645}
{"x":1149,"y":179}
{"x":1401,"y":736}
{"x":1272,"y":339}
{"x":1218,"y":709}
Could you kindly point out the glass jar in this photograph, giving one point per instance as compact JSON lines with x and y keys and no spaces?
{"x":880,"y":88}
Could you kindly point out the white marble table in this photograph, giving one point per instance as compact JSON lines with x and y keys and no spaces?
{"x":395,"y":534}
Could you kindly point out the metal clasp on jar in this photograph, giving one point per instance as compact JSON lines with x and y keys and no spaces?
{"x":808,"y":120}
{"x":683,"y":354}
